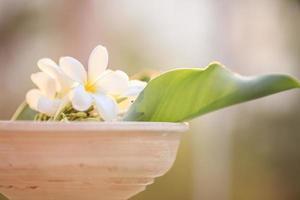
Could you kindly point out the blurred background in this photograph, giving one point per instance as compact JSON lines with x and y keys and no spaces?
{"x":249,"y":151}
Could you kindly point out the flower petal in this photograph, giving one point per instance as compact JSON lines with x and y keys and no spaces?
{"x":81,"y":100}
{"x":135,"y":87}
{"x":122,"y":74}
{"x":73,"y":69}
{"x":98,"y":62}
{"x":48,"y":66}
{"x":48,"y":106}
{"x":32,"y":98}
{"x":45,"y":83}
{"x":125,"y":104}
{"x":106,"y":106}
{"x":37,"y":101}
{"x":63,"y":82}
{"x":113,"y":83}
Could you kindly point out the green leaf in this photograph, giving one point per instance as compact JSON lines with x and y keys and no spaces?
{"x":184,"y":94}
{"x":2,"y":197}
{"x":24,"y":113}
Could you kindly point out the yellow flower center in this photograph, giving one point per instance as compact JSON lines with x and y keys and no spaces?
{"x":90,"y":87}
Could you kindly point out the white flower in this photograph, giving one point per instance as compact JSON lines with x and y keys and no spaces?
{"x":101,"y":88}
{"x":52,"y":85}
{"x":98,"y":87}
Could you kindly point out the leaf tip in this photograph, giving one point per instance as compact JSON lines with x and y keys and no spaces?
{"x":215,"y":63}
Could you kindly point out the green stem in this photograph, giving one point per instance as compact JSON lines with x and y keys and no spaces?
{"x":19,"y":111}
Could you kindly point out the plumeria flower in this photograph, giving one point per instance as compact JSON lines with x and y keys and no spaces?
{"x":99,"y":87}
{"x":52,"y":85}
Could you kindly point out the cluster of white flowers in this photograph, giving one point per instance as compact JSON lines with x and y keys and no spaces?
{"x":68,"y":82}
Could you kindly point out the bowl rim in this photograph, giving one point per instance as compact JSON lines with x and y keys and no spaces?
{"x":32,"y":126}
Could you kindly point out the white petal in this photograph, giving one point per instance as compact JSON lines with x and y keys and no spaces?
{"x":48,"y":106}
{"x":125,"y":105}
{"x":37,"y":101}
{"x":63,"y":83}
{"x":98,"y":62}
{"x":32,"y":98}
{"x":48,"y":66}
{"x":45,"y":83}
{"x":106,"y":106}
{"x":122,"y":74}
{"x":135,"y":87}
{"x":81,"y":100}
{"x":73,"y":69}
{"x":113,"y":83}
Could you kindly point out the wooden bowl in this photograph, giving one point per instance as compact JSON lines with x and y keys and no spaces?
{"x":84,"y":161}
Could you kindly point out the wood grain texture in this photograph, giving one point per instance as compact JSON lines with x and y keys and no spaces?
{"x":84,"y":161}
